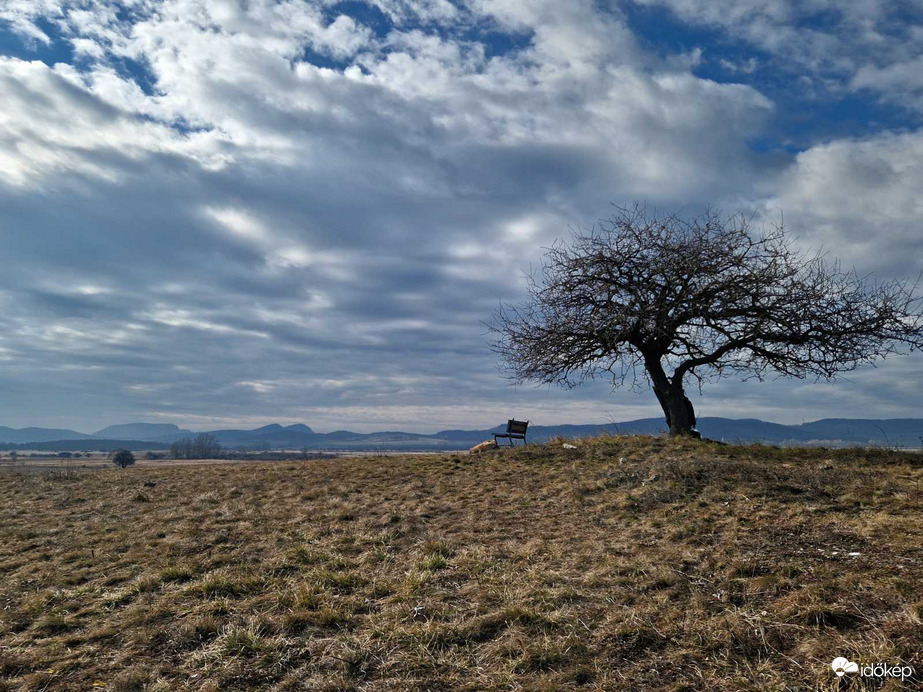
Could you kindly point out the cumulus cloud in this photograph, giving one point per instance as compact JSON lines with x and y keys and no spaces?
{"x":226,"y":211}
{"x":859,"y":199}
{"x":897,"y":82}
{"x":23,"y":15}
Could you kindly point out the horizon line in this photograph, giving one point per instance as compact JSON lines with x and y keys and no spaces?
{"x":444,"y":429}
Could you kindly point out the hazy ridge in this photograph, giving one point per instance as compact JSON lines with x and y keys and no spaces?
{"x":894,"y":432}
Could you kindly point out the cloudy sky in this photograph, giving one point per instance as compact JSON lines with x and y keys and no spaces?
{"x":234,"y":212}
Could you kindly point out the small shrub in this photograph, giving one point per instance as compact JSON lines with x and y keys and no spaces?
{"x":123,"y":458}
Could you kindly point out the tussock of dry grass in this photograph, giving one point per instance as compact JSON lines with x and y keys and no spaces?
{"x":624,"y":564}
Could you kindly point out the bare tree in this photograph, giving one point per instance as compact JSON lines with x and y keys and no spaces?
{"x":202,"y":446}
{"x":697,"y":298}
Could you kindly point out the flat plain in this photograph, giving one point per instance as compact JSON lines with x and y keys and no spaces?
{"x":627,"y":563}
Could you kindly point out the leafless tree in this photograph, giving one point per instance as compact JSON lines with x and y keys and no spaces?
{"x":682,"y":299}
{"x":202,"y":446}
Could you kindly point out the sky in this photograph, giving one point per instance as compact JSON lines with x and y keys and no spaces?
{"x":227,"y":213}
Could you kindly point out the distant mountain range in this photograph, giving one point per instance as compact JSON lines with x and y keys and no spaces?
{"x":894,"y":432}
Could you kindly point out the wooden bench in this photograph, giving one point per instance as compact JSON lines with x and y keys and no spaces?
{"x":515,"y":430}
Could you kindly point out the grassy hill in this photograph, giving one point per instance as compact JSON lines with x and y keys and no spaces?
{"x":623,"y":564}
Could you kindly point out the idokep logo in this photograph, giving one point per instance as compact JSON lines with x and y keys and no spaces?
{"x":841,"y":666}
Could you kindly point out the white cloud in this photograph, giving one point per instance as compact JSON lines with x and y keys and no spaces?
{"x":52,"y":122}
{"x":22,"y":16}
{"x":860,"y":199}
{"x":236,"y":76}
{"x":900,"y":82}
{"x":240,"y":224}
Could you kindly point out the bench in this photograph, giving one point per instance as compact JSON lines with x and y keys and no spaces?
{"x":515,"y":430}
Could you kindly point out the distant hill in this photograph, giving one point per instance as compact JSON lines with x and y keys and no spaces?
{"x":897,"y":432}
{"x":301,"y":436}
{"x":159,"y":432}
{"x":18,"y":436}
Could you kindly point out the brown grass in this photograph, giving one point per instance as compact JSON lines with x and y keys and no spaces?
{"x":624,"y":564}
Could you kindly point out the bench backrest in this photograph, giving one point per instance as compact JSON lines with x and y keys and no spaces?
{"x":517,"y":427}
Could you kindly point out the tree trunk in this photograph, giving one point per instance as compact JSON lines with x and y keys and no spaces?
{"x":676,"y":406}
{"x":679,"y":412}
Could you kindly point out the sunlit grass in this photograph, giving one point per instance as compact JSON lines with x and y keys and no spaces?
{"x":623,"y":564}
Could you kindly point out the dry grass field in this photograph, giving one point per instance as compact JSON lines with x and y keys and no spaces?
{"x":623,"y":564}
